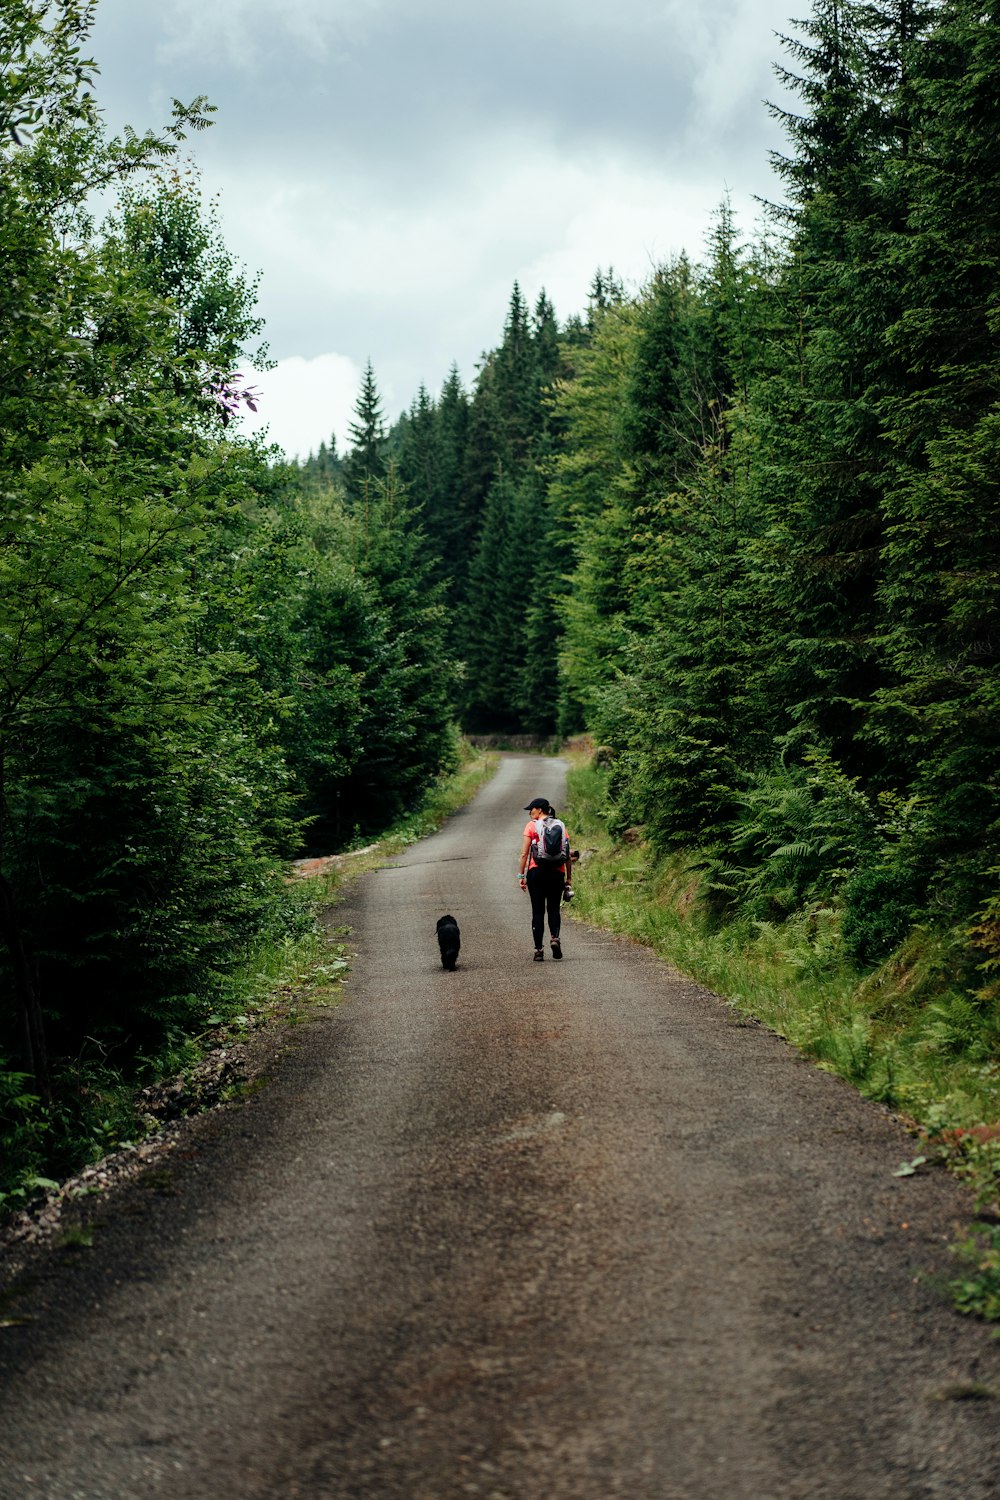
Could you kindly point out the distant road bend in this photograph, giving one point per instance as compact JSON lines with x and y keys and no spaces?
{"x":526,"y":1232}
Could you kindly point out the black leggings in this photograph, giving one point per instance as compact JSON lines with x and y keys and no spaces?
{"x":545,"y":887}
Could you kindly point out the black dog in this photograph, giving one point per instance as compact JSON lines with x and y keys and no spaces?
{"x":448,"y":941}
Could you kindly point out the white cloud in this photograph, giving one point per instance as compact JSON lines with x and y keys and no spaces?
{"x":371,"y":276}
{"x":733,"y":77}
{"x":391,"y":170}
{"x":417,"y":291}
{"x":190,"y":29}
{"x":301,"y":402}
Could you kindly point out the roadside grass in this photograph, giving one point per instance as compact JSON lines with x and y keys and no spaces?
{"x":288,"y":973}
{"x":905,"y":1034}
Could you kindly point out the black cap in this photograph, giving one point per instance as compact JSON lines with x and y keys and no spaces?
{"x":542,"y":802}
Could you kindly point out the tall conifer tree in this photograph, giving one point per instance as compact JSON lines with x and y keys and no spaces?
{"x":941,"y":590}
{"x":365,"y":463}
{"x":824,"y":452}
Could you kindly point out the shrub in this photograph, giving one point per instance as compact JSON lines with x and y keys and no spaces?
{"x":881,"y":904}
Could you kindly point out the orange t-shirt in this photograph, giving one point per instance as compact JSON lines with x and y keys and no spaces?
{"x":531,"y":832}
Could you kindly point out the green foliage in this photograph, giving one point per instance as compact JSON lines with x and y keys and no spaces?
{"x":474,"y":471}
{"x":366,"y":462}
{"x":588,"y":505}
{"x":964,"y":1025}
{"x":168,"y":241}
{"x":977,"y":1291}
{"x":91,"y":1113}
{"x":881,"y":905}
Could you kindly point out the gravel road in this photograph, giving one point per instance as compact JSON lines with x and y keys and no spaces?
{"x":560,"y":1231}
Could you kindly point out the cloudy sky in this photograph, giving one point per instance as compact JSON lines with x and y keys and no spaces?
{"x":392,"y":168}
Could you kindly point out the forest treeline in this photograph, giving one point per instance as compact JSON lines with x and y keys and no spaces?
{"x":741,"y":524}
{"x":204,"y":670}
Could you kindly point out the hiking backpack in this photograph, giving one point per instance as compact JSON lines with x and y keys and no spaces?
{"x":552,"y":843}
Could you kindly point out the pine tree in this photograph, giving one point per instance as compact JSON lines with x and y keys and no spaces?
{"x":365,"y":463}
{"x":484,"y":447}
{"x":515,"y":385}
{"x":322,"y":469}
{"x":941,"y":591}
{"x":539,"y":592}
{"x":606,"y":290}
{"x":492,"y":640}
{"x":455,"y":522}
{"x":588,"y":506}
{"x":687,"y":713}
{"x":417,"y":463}
{"x":822,"y":478}
{"x":545,"y":342}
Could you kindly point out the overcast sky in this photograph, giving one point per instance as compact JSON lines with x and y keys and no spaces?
{"x":392,"y":168}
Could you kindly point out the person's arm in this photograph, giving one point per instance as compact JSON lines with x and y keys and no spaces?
{"x":525,"y":857}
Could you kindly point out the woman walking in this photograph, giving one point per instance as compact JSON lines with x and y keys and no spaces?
{"x":544,"y":874}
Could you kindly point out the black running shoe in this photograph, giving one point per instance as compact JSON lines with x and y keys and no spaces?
{"x":539,"y":955}
{"x":556,"y":948}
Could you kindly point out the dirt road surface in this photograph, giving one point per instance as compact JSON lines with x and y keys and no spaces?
{"x":560,"y":1231}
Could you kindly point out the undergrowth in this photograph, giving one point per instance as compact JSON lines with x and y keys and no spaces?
{"x":910,"y":1032}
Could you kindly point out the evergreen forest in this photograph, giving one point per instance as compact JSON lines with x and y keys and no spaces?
{"x":737,"y":526}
